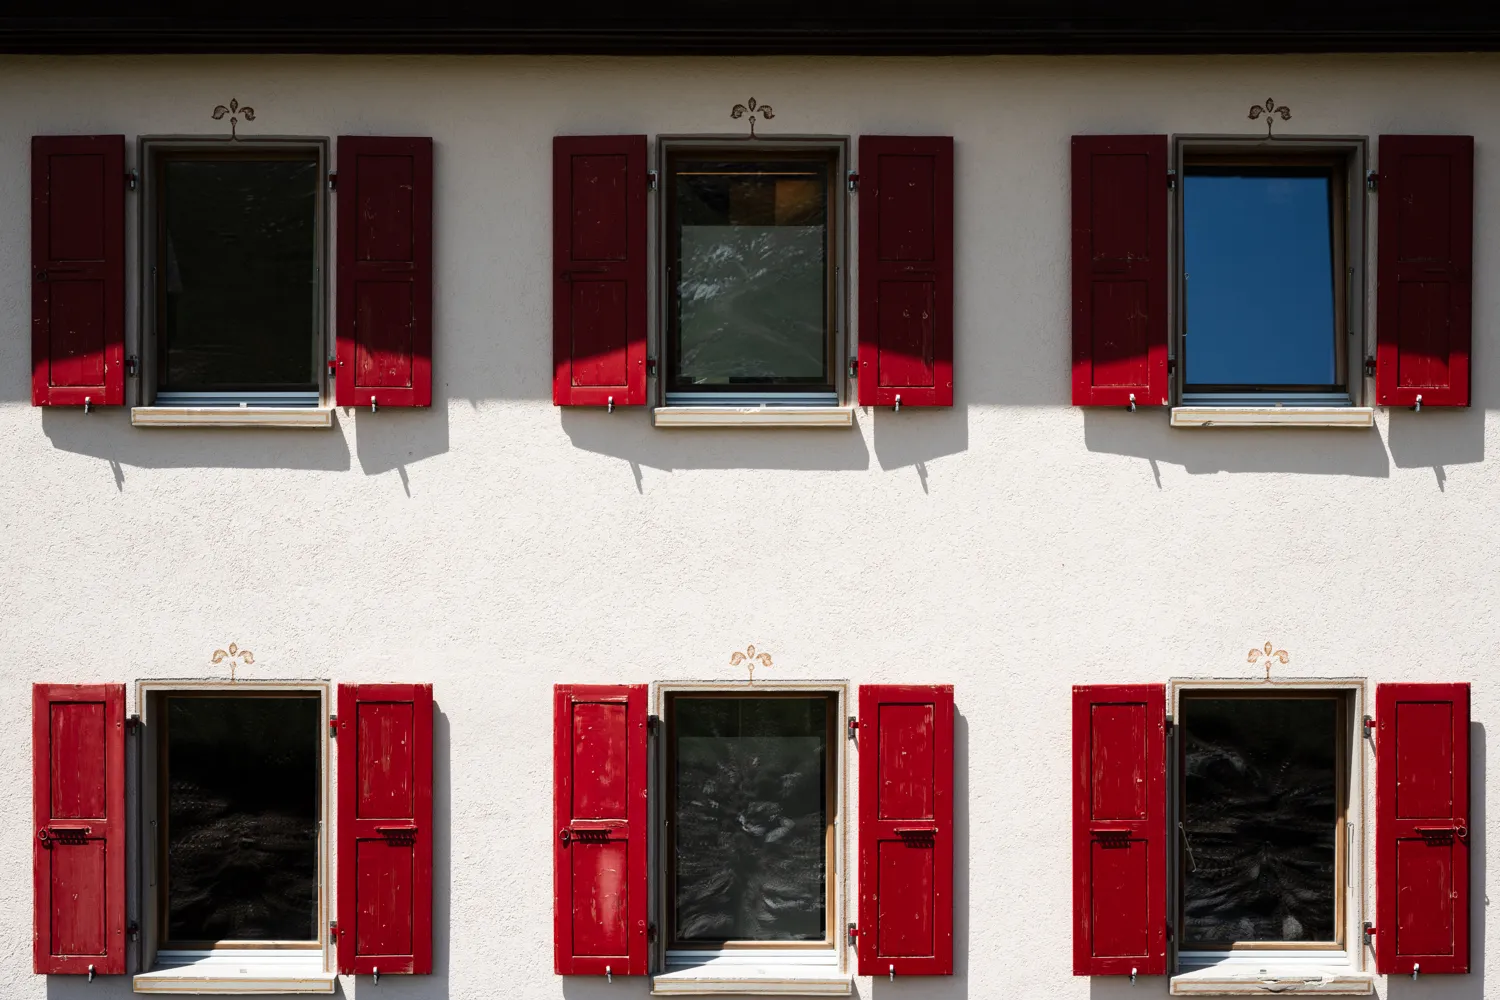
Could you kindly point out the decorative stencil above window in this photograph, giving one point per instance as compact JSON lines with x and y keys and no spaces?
{"x":235,"y":113}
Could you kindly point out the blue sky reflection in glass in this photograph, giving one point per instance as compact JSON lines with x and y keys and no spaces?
{"x":1258,"y":258}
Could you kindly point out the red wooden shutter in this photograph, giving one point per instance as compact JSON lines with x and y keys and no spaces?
{"x":906,"y":830}
{"x":385,"y":828}
{"x":1119,"y":830}
{"x":1422,"y":828}
{"x":599,"y":811}
{"x":1425,"y":271}
{"x":384,"y":271}
{"x":1120,"y":286}
{"x":905,"y":270}
{"x":599,"y":257}
{"x":78,"y":809}
{"x":77,"y":270}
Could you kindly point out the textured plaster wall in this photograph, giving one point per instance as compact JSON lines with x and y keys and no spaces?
{"x":494,"y":545}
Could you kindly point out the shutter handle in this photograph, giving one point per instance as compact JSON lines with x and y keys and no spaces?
{"x":565,"y":835}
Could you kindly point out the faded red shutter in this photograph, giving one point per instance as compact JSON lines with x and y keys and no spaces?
{"x":384,"y":310}
{"x":599,"y":261}
{"x":1422,"y":828}
{"x":905,"y":270}
{"x":905,"y":830}
{"x":78,"y":810}
{"x":1120,"y":286}
{"x":1426,"y":270}
{"x":1119,"y":830}
{"x":599,"y":812}
{"x":385,"y":828}
{"x":77,"y":270}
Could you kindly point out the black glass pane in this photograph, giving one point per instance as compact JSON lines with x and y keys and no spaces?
{"x":1259,"y":819}
{"x":242,"y":819}
{"x":236,"y":292}
{"x":750,"y":289}
{"x":751,"y":819}
{"x":1258,"y":257}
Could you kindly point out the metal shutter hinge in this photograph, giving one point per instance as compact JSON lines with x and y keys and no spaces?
{"x":853,"y":728}
{"x":333,"y":727}
{"x":1372,"y":180}
{"x":650,"y":932}
{"x":130,"y":180}
{"x":333,"y":368}
{"x":651,"y":368}
{"x":333,"y":932}
{"x":134,"y":930}
{"x":854,"y":367}
{"x":132,"y":723}
{"x":1369,"y":728}
{"x":132,"y":365}
{"x":1370,"y":367}
{"x":1171,"y":180}
{"x":333,"y":180}
{"x":1369,"y":935}
{"x":853,"y":935}
{"x":1169,"y":723}
{"x":653,"y":722}
{"x":854,"y":180}
{"x":651,"y":180}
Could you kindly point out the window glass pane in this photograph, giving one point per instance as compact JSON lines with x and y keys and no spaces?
{"x":242,"y":819}
{"x":750,"y":294}
{"x":238,"y":276}
{"x":1258,"y":257}
{"x":1259,"y":819}
{"x":750,"y":853}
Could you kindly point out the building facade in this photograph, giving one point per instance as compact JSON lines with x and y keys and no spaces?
{"x":875,"y":514}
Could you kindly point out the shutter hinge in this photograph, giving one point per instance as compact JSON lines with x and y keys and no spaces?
{"x":854,"y":180}
{"x":651,"y":368}
{"x":333,"y":931}
{"x":653,"y":722}
{"x":854,"y":367}
{"x":132,"y":365}
{"x":1171,"y":936}
{"x":1372,"y":181}
{"x":651,"y":180}
{"x":1369,"y":935}
{"x":132,"y":723}
{"x":1370,"y":366}
{"x":333,"y":368}
{"x":130,"y":180}
{"x":1369,"y":728}
{"x":134,"y":930}
{"x":853,"y":731}
{"x":853,"y":935}
{"x":1171,"y":180}
{"x":333,"y":180}
{"x":1171,"y":365}
{"x":651,"y":932}
{"x":1169,"y":723}
{"x":333,"y":727}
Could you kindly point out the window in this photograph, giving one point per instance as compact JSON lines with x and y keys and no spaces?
{"x":234,"y":290}
{"x":750,"y":791}
{"x":1267,"y":278}
{"x":752,"y":271}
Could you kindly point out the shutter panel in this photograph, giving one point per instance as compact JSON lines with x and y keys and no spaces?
{"x":906,"y":830}
{"x":1425,"y":270}
{"x":78,"y":807}
{"x":384,"y":313}
{"x":599,"y":810}
{"x":385,"y":828}
{"x":78,"y":270}
{"x":599,"y":258}
{"x":905,"y":270}
{"x":1422,"y":828}
{"x":1119,"y":830}
{"x":1120,"y":285}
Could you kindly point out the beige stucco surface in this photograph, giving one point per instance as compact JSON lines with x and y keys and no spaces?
{"x":494,"y":545}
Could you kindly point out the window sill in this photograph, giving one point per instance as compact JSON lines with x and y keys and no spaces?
{"x":231,"y":416}
{"x":753,"y":980}
{"x":1220,"y":980}
{"x":238,"y":973}
{"x":754,"y":416}
{"x":1273,"y":416}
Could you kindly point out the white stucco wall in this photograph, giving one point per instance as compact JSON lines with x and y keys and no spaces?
{"x":494,"y":545}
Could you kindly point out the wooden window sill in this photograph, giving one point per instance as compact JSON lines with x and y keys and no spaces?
{"x":232,"y":416}
{"x":1273,"y":416}
{"x":1219,"y":981}
{"x":238,"y":972}
{"x":754,"y":416}
{"x":762,"y":980}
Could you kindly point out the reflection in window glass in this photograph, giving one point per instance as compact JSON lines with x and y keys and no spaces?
{"x":1260,"y":815}
{"x":750,"y":852}
{"x":238,"y":278}
{"x":750,"y":275}
{"x":242,"y":819}
{"x":1258,"y":258}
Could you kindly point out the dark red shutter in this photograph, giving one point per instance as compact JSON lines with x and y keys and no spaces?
{"x":78,"y":813}
{"x":1120,"y":286}
{"x":1426,"y":270}
{"x":599,"y":261}
{"x":905,"y":270}
{"x":1119,"y":830}
{"x":905,"y":830}
{"x":385,"y":828}
{"x":77,"y":270}
{"x":599,"y":814}
{"x":384,"y":310}
{"x":1422,"y":828}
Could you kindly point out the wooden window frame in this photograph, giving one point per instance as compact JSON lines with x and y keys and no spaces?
{"x":151,"y":700}
{"x":1345,"y":157}
{"x":153,"y":153}
{"x":835,"y":151}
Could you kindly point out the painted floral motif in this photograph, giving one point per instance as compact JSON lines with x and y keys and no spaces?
{"x":235,"y":655}
{"x":752,"y":109}
{"x":750,"y":657}
{"x":235,"y":112}
{"x":1269,"y":652}
{"x":1270,"y":109}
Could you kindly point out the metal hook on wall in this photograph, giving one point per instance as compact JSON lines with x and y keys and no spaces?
{"x":1418,"y":407}
{"x":1132,"y":975}
{"x":898,"y":402}
{"x":372,"y":404}
{"x":1132,"y":402}
{"x":91,"y":972}
{"x":893,"y":973}
{"x":88,"y":402}
{"x":611,"y":405}
{"x":1416,"y":968}
{"x":609,"y":975}
{"x":377,"y":975}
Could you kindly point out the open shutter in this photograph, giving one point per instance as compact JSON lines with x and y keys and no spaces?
{"x":384,"y":308}
{"x":905,"y":830}
{"x":599,"y":263}
{"x":1119,"y":830}
{"x":1120,"y":286}
{"x":905,"y":270}
{"x":1425,"y":272}
{"x":78,"y":270}
{"x":385,"y":828}
{"x":599,"y":810}
{"x":78,"y":809}
{"x":1422,"y":828}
